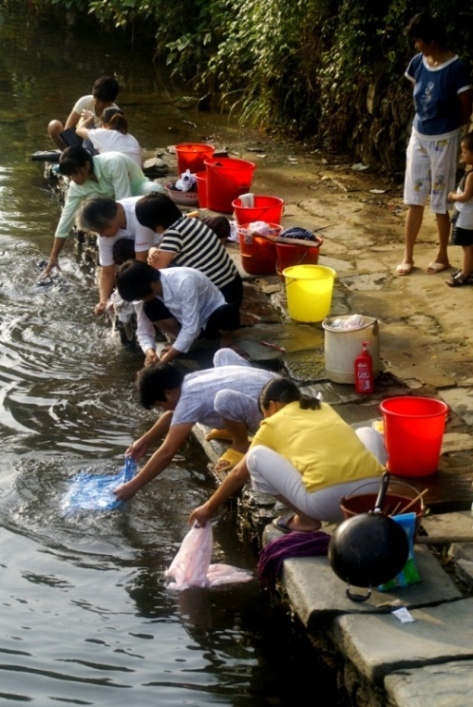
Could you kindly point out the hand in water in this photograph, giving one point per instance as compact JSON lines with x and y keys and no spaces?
{"x":126,"y":491}
{"x":100,"y":308}
{"x":137,"y":450}
{"x":52,"y":263}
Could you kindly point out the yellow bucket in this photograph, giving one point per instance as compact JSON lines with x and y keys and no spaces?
{"x":309,"y":291}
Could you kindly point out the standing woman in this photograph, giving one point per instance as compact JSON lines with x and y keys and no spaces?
{"x":443,"y":104}
{"x":113,"y":136}
{"x":304,"y":455}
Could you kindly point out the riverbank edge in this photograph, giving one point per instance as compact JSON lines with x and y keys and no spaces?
{"x":380,"y":660}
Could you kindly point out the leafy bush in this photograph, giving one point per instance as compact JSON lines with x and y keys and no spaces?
{"x":330,"y":70}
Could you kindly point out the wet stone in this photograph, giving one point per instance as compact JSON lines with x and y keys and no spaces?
{"x":449,"y":684}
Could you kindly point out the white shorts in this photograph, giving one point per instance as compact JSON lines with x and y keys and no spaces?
{"x":431,"y":167}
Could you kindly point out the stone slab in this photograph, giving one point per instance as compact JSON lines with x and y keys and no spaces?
{"x":379,"y":644}
{"x":317,"y":595}
{"x":457,"y":523}
{"x":445,"y":685}
{"x":460,"y":400}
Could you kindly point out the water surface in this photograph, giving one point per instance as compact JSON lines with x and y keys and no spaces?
{"x":86,"y":615}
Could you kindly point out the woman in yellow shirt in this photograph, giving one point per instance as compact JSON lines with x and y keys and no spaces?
{"x":306,"y":456}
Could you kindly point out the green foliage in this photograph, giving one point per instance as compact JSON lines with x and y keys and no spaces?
{"x":327,"y":69}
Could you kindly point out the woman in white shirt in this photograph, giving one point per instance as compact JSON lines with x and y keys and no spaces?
{"x":113,"y":136}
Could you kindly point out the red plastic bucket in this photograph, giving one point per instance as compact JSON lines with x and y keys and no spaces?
{"x":413,"y":433}
{"x":258,"y":255}
{"x":227,"y":178}
{"x":192,"y":156}
{"x":266,"y":208}
{"x":201,"y":178}
{"x":289,"y":255}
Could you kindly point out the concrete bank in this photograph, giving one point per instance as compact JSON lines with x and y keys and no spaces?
{"x":381,"y":660}
{"x":425,"y":350}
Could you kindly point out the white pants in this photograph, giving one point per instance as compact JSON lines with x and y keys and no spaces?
{"x":271,"y":473}
{"x":431,"y":167}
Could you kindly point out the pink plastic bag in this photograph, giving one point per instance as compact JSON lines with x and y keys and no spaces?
{"x":191,"y":566}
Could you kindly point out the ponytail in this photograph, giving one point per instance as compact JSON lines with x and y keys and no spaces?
{"x":285,"y":391}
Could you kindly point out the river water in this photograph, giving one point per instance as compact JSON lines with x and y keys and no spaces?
{"x":86,"y":615}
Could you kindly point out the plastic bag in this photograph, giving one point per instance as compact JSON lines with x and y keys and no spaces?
{"x":94,"y":492}
{"x":191,"y":566}
{"x":409,"y":573}
{"x":186,"y":181}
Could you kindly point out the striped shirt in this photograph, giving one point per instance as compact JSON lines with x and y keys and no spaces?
{"x":197,"y":246}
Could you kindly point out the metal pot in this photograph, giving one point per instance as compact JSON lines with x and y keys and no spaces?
{"x":368,"y":549}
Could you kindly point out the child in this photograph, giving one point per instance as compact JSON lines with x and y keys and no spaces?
{"x":462,"y":224}
{"x":113,"y":136}
{"x":104,"y":92}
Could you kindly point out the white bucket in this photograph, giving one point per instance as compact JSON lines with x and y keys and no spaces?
{"x":342,"y":346}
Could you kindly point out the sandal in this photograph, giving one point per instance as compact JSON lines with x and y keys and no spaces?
{"x":459,"y":280}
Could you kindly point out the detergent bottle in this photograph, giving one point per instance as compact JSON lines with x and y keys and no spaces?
{"x":364,"y":382}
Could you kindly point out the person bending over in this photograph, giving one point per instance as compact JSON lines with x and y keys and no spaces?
{"x":113,"y":221}
{"x":304,"y":455}
{"x":225,"y":397}
{"x":182,"y":302}
{"x":112,"y":174}
{"x":189,"y":242}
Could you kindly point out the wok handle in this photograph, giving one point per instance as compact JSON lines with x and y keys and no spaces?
{"x":358,"y":598}
{"x":378,"y":506}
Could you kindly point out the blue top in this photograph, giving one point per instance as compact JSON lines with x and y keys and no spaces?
{"x":436,"y":89}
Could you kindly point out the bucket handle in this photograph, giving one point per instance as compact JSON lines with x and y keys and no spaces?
{"x":354,"y":493}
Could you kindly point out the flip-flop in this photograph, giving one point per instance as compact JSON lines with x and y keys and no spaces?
{"x":228,"y":460}
{"x":219,"y":434}
{"x":404,"y":269}
{"x":282,"y":524}
{"x":433,"y":268}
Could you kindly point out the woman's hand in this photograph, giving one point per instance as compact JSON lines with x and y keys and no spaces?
{"x":126,"y":491}
{"x":200,"y":515}
{"x":137,"y":450}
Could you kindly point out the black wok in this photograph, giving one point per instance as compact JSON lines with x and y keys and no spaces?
{"x":368,"y":549}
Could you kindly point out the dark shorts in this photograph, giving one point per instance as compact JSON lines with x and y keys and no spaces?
{"x":233,"y":292}
{"x":155,"y":310}
{"x":224,"y":318}
{"x":462,"y":236}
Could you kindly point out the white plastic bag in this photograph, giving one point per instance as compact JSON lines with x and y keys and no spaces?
{"x":186,"y":181}
{"x":191,"y":566}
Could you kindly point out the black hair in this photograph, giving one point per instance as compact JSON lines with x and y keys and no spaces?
{"x":427,"y":28}
{"x":73,"y":158}
{"x":468,"y":141}
{"x":123,"y":250}
{"x":114,"y":119}
{"x":283,"y":390}
{"x":96,"y":213}
{"x":134,"y":280}
{"x":105,"y":88}
{"x":155,"y":210}
{"x":153,"y":381}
